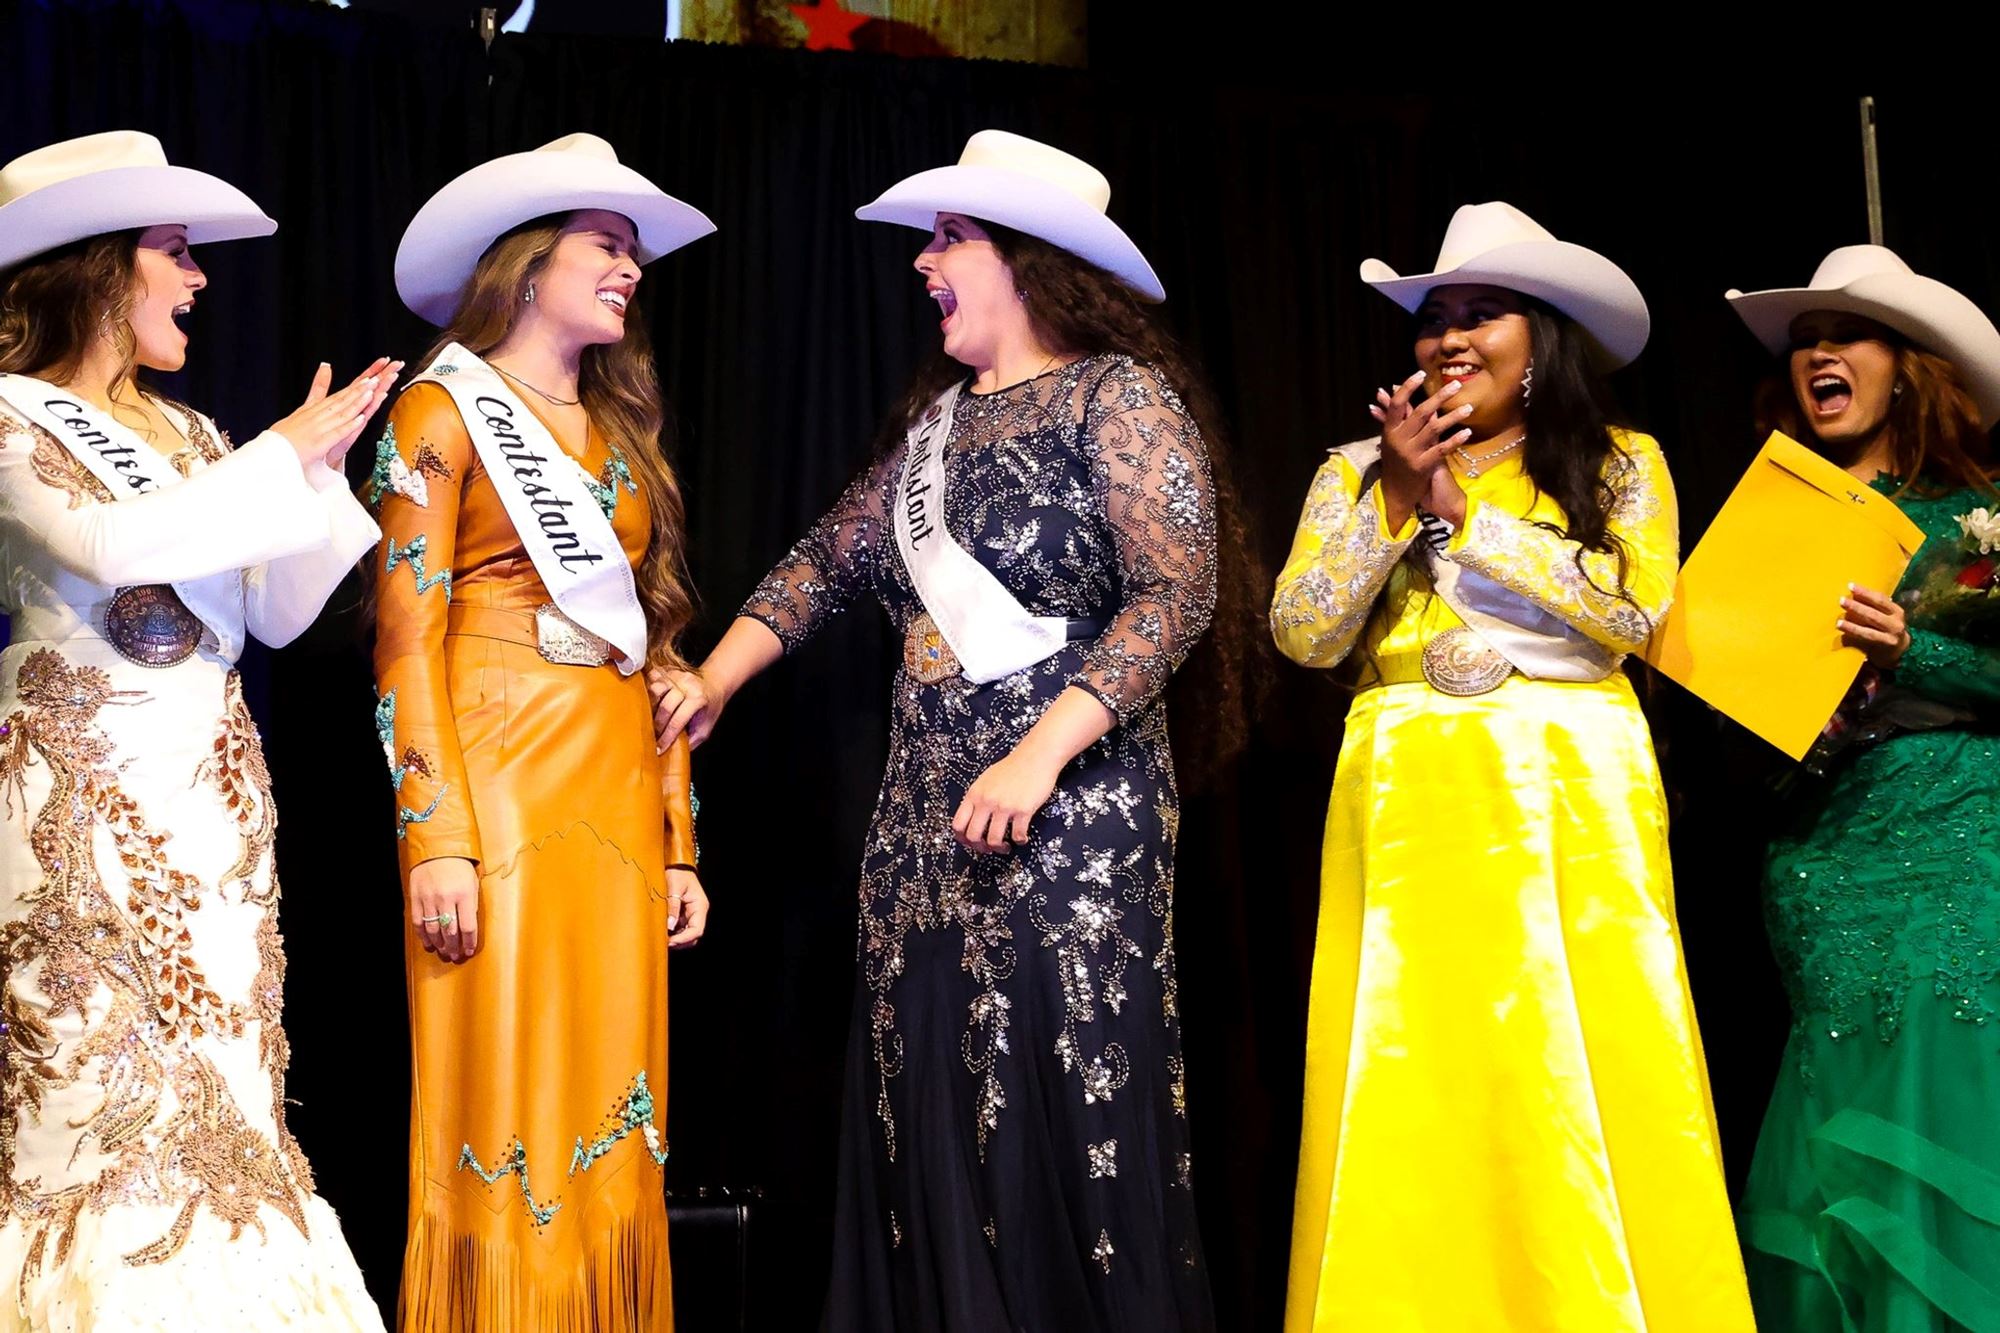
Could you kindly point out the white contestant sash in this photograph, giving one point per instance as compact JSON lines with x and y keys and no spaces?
{"x":113,"y":453}
{"x":542,"y":487}
{"x":1540,"y":644}
{"x":991,"y":633}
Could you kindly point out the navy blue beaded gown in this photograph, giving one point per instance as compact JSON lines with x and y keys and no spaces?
{"x":1014,"y":1146}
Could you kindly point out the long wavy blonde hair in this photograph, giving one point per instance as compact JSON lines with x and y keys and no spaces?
{"x":620,"y":390}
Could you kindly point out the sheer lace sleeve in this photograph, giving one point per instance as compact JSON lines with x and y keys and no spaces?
{"x":1151,"y":469}
{"x":822,"y":573}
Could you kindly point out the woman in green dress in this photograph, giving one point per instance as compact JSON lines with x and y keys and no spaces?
{"x":1873,"y":1204}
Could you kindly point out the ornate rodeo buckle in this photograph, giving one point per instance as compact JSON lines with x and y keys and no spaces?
{"x":149,"y":624}
{"x":926,"y":654}
{"x":562,"y":641}
{"x":1461,"y":663}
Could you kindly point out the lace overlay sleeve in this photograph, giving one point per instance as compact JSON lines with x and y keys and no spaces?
{"x":824,"y":571}
{"x":1151,"y":469}
{"x":1341,"y":557}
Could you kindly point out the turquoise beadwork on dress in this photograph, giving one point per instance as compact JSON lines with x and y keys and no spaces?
{"x":378,"y":483}
{"x":515,"y":1165}
{"x":634,"y":1111}
{"x":406,"y":816}
{"x":412,"y":555}
{"x":604,"y":486}
{"x":637,"y":1114}
{"x":385,"y":732}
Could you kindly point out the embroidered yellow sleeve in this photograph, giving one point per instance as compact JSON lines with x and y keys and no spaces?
{"x":1340,"y":559}
{"x":1583,"y":587}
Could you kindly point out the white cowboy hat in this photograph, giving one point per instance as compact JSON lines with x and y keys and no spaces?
{"x":1031,"y":187}
{"x":1498,"y":245}
{"x":1871,"y":280}
{"x":115,"y":181}
{"x":444,"y":241}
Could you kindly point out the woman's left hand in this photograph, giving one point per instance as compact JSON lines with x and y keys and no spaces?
{"x":997,"y":809}
{"x":687,"y":909}
{"x":1876,"y":625}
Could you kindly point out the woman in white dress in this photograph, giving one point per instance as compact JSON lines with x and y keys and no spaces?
{"x":147,"y":1180}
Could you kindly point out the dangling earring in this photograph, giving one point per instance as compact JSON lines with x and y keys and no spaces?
{"x":1528,"y":382}
{"x":1896,"y":392}
{"x":1021,"y":295}
{"x":529,"y":295}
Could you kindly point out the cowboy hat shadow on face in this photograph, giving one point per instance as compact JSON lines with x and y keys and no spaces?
{"x":166,"y":280}
{"x":981,"y":311}
{"x":1842,"y":369}
{"x":584,"y":289}
{"x":1476,"y":335}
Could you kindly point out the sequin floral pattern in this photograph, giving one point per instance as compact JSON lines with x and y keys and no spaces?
{"x":1041,"y":983}
{"x":163,"y":1119}
{"x":1887,"y":880}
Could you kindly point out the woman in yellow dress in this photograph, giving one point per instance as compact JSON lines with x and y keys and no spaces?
{"x":1507,"y":1119}
{"x":529,"y":572}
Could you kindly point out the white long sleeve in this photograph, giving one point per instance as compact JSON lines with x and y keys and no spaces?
{"x":252,"y":506}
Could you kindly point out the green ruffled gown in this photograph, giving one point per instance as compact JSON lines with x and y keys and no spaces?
{"x":1873,"y":1203}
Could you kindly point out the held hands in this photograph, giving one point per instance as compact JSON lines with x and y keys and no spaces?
{"x":1415,"y":441}
{"x":687,"y":909}
{"x":325,"y":426}
{"x":682,"y":701}
{"x":1876,"y":625}
{"x":444,"y":907}
{"x":997,"y":809}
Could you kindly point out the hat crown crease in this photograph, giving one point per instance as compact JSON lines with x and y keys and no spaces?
{"x":1010,"y":152}
{"x":73,"y":158}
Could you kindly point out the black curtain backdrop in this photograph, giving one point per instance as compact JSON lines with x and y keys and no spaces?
{"x":1256,"y":186}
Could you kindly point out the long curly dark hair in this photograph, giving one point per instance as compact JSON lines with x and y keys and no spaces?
{"x":1077,"y":308}
{"x":1570,"y":417}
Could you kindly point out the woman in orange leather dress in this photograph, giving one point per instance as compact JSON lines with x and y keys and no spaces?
{"x":529,"y":577}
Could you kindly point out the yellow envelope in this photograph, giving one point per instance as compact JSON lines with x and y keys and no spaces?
{"x":1751,"y":630}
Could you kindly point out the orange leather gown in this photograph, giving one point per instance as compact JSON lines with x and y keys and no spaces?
{"x":539,"y":1089}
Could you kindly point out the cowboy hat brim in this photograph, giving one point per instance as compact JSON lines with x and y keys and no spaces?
{"x":1027,"y":204}
{"x":1924,"y":310}
{"x":1592,"y":291}
{"x":127,"y":199}
{"x":442,"y":245}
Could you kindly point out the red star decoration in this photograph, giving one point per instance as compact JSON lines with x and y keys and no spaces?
{"x":828,"y":26}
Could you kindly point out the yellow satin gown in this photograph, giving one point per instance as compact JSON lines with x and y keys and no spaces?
{"x":1507,"y":1116}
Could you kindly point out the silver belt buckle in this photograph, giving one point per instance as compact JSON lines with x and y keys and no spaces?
{"x":926,"y":654}
{"x":1459,"y":662}
{"x":149,"y":624}
{"x":562,"y":641}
